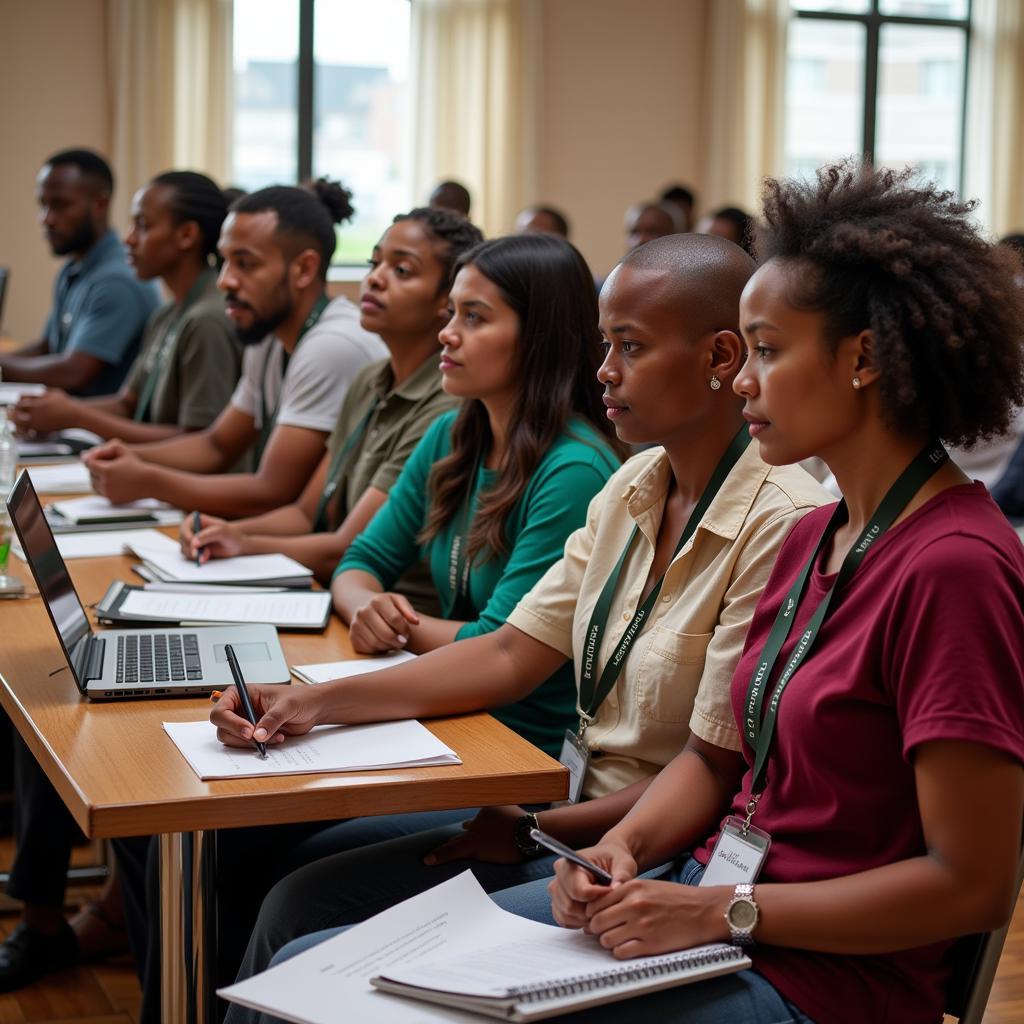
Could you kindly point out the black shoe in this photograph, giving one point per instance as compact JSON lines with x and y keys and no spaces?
{"x":29,"y":954}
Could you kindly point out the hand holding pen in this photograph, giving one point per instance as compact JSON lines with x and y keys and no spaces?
{"x":243,"y":693}
{"x":197,"y":525}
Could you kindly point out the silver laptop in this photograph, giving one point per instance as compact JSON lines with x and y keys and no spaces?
{"x":120,"y":663}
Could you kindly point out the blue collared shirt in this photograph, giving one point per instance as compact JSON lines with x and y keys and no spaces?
{"x":101,"y":307}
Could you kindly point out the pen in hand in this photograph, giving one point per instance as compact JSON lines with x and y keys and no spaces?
{"x":196,"y":527}
{"x":243,"y":693}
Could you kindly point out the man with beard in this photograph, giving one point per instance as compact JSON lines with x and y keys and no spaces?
{"x":99,"y":306}
{"x":302,"y":352}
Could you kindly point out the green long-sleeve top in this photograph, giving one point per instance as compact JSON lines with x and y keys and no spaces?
{"x":553,"y":505}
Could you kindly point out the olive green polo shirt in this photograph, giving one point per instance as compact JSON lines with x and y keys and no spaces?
{"x":389,"y":421}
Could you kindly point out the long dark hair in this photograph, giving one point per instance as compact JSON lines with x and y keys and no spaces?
{"x":549,"y":286}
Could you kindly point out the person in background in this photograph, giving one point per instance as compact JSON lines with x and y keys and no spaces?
{"x":682,"y":198}
{"x":302,"y":353}
{"x":451,"y":195}
{"x":391,"y":403}
{"x":99,"y":306}
{"x":649,"y":220}
{"x":190,"y":359}
{"x":544,"y":219}
{"x":733,"y":223}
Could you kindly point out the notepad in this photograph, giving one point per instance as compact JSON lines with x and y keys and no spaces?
{"x":63,"y":478}
{"x":325,"y":748}
{"x":328,"y":670}
{"x":288,"y":609}
{"x":453,"y":937}
{"x":95,"y":509}
{"x":166,"y":562}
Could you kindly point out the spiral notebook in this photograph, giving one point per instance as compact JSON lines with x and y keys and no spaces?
{"x":459,"y":956}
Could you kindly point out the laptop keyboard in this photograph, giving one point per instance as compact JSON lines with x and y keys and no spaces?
{"x":145,"y":658}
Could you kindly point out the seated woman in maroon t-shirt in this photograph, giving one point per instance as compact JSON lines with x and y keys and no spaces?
{"x":893,"y":788}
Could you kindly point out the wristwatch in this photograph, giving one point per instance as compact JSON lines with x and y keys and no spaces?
{"x":741,"y":915}
{"x":521,"y":835}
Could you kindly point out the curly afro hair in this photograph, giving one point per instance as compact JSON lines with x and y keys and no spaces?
{"x":878,"y":249}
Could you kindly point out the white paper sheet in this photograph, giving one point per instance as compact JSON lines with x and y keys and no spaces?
{"x":326,"y":748}
{"x":287,"y":608}
{"x":10,"y":393}
{"x":87,"y":545}
{"x":166,"y":558}
{"x":62,"y":478}
{"x":94,"y":507}
{"x":354,"y":667}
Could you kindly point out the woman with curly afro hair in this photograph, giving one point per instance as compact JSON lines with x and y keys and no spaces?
{"x":877,"y":802}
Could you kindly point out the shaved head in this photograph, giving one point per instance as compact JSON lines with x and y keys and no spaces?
{"x":701,"y":277}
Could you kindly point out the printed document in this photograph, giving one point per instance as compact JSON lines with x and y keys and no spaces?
{"x":329,"y":670}
{"x":63,"y":478}
{"x":284,"y":608}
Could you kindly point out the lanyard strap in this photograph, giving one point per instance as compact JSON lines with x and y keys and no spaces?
{"x":591,"y":696}
{"x":759,"y":734}
{"x":199,"y":286}
{"x":458,"y":560}
{"x":267,"y":421}
{"x":338,"y":463}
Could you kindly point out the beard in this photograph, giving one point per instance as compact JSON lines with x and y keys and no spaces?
{"x":81,"y":239}
{"x":261,"y":326}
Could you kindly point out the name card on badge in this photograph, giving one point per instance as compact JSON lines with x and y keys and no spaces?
{"x":738,"y":854}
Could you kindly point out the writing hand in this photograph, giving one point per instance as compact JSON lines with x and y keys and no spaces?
{"x":573,"y":889}
{"x":216,"y":539}
{"x":280,"y":711}
{"x":382,"y":624}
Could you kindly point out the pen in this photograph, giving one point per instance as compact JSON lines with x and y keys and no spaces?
{"x":243,"y":693}
{"x":196,"y":527}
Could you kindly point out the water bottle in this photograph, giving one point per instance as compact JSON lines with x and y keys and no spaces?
{"x":8,"y":467}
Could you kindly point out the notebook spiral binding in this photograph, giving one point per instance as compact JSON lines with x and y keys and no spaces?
{"x":595,"y":980}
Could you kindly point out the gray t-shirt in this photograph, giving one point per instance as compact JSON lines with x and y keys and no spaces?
{"x":321,"y":369}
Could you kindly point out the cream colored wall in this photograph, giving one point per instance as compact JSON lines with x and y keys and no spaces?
{"x":53,"y":83}
{"x":620,"y":110}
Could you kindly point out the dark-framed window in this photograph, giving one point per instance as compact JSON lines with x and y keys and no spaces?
{"x":883,"y":78}
{"x":320,"y":88}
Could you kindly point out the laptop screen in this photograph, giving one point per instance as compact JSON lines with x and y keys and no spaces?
{"x":51,"y":575}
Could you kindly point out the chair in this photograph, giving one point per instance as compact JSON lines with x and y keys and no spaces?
{"x":975,"y":960}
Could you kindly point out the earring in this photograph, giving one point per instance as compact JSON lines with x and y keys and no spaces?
{"x":714,"y":383}
{"x":856,"y":382}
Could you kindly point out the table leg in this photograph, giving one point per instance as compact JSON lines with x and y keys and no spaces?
{"x":188,"y":927}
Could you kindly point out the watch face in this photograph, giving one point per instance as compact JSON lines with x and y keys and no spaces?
{"x":743,"y":915}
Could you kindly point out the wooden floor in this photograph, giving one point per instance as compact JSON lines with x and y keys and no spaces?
{"x":108,"y":993}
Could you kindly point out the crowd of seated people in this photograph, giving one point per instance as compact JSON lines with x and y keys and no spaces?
{"x":599,"y":495}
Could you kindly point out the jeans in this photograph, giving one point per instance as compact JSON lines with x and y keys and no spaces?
{"x":742,"y":998}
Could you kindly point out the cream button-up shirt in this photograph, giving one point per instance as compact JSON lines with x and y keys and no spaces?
{"x":676,"y":677}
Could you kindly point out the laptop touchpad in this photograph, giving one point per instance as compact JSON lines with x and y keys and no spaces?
{"x":243,"y":652}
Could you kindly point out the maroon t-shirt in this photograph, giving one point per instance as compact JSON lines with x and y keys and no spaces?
{"x":925,"y":643}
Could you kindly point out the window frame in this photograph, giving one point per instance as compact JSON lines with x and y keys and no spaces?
{"x":873,"y":20}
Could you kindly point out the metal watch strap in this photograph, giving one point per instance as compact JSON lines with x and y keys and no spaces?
{"x":521,"y":835}
{"x":742,"y":935}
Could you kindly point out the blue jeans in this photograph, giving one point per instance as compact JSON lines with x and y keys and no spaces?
{"x":743,"y":998}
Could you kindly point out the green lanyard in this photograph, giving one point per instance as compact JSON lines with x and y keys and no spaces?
{"x":268,"y":420}
{"x":199,"y":286}
{"x":337,"y":464}
{"x":458,"y":562}
{"x":591,"y":697}
{"x":759,"y":735}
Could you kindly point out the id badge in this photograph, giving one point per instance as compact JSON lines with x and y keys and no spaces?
{"x":575,"y":757}
{"x":737,"y":856}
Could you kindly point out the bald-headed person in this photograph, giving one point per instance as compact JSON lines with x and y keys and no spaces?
{"x":451,"y":195}
{"x":648,"y":221}
{"x":543,"y":220}
{"x":100,"y":307}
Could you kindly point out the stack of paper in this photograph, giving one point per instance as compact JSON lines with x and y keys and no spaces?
{"x":166,"y":562}
{"x":87,"y":545}
{"x":64,"y":478}
{"x":95,"y":510}
{"x":328,"y":670}
{"x":325,"y":748}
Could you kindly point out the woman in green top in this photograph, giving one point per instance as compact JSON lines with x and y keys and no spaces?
{"x":491,"y":493}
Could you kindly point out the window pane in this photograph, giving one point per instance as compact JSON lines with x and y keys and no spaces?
{"x":832,"y":6}
{"x":925,"y":8}
{"x":824,"y":93}
{"x":920,"y":100}
{"x":359,"y":132}
{"x":266,"y":51}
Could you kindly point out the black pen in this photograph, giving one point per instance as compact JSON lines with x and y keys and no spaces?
{"x":196,"y":527}
{"x":243,"y":693}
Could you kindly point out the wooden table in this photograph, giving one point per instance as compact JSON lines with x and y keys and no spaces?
{"x":120,"y":775}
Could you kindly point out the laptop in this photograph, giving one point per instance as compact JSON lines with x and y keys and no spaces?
{"x":131,"y":663}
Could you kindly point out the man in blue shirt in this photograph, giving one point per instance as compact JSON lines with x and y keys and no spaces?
{"x":99,"y":306}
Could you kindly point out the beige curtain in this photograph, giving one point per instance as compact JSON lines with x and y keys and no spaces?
{"x":994,"y":151}
{"x":475,"y":69}
{"x":170,"y":74}
{"x":744,"y":79}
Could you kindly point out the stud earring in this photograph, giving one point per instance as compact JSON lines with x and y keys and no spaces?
{"x":856,"y":382}
{"x":714,"y":383}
